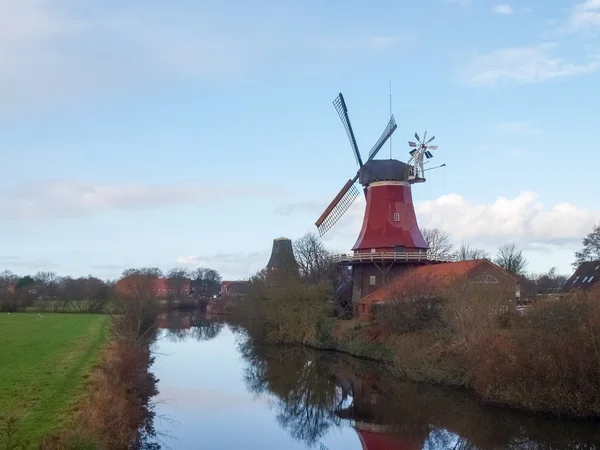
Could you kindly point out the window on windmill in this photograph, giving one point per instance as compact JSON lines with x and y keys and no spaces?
{"x":590,"y":279}
{"x":584,"y":279}
{"x":396,"y":217}
{"x":372,"y":280}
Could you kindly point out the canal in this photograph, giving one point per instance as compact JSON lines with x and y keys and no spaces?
{"x":218,"y":390}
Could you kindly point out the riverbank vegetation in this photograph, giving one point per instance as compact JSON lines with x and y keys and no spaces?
{"x":117,"y":411}
{"x":546,"y":360}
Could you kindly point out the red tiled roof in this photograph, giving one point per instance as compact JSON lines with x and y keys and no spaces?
{"x":440,"y":275}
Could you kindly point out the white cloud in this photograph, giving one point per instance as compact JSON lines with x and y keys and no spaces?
{"x":68,"y":198}
{"x":234,"y":266}
{"x":585,"y":15}
{"x":523,"y":218}
{"x":502,"y":9}
{"x":523,"y":65}
{"x":517,"y":128}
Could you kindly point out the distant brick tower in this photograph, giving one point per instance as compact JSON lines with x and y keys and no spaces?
{"x":282,"y":262}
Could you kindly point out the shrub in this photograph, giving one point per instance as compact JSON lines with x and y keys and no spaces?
{"x":549,"y":362}
{"x":16,"y":301}
{"x":285,"y":312}
{"x":404,"y":316}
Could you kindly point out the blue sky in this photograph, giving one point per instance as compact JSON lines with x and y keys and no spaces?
{"x":147,"y":133}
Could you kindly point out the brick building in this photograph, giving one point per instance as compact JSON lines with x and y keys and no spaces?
{"x":160,"y":286}
{"x":234,"y":287}
{"x":429,"y":280}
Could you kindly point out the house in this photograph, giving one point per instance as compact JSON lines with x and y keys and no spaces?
{"x":585,"y":277}
{"x":234,"y":287}
{"x":433,"y":279}
{"x":161,"y":287}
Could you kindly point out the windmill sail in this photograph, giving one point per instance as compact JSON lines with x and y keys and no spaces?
{"x":340,"y":106}
{"x":389,"y":130}
{"x":336,"y":209}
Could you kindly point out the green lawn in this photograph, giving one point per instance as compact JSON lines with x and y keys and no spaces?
{"x":43,"y":365}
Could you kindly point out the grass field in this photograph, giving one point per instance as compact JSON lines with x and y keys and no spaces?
{"x":43,"y":365}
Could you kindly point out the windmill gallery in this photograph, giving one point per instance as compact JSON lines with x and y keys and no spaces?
{"x":390,"y":245}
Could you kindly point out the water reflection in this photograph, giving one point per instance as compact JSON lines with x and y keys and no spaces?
{"x":330,"y":401}
{"x":181,"y":325}
{"x":319,"y":390}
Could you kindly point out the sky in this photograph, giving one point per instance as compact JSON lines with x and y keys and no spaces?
{"x":193,"y":133}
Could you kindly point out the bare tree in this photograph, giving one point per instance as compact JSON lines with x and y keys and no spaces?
{"x":314,"y":260}
{"x":7,"y":278}
{"x":440,"y":245}
{"x":206,"y":282}
{"x":135,"y":305}
{"x":511,"y":259}
{"x":47,"y":283}
{"x":591,"y":247}
{"x":151,"y":272}
{"x":549,"y":281}
{"x":178,"y":278}
{"x":466,"y":253}
{"x":97,"y":294}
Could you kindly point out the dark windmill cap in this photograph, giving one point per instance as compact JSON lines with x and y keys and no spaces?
{"x":383,"y":170}
{"x":282,"y":254}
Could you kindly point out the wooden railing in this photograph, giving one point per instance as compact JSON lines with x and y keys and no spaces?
{"x":422,"y":256}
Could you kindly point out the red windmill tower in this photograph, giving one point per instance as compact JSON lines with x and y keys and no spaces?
{"x":390,"y":240}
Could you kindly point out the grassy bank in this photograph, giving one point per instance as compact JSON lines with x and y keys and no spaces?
{"x":545,"y":361}
{"x":44,"y":363}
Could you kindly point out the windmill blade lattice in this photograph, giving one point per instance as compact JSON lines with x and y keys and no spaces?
{"x":344,"y":199}
{"x":340,"y":106}
{"x":336,"y":209}
{"x":389,"y":130}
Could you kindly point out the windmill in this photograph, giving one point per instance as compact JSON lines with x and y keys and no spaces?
{"x":390,"y":241}
{"x":420,"y":149}
{"x":344,"y":199}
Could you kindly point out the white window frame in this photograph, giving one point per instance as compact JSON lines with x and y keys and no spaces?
{"x":485,"y":279}
{"x":396,"y":217}
{"x":372,"y":280}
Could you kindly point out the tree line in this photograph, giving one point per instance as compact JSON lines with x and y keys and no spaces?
{"x":92,"y":294}
{"x":317,"y":264}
